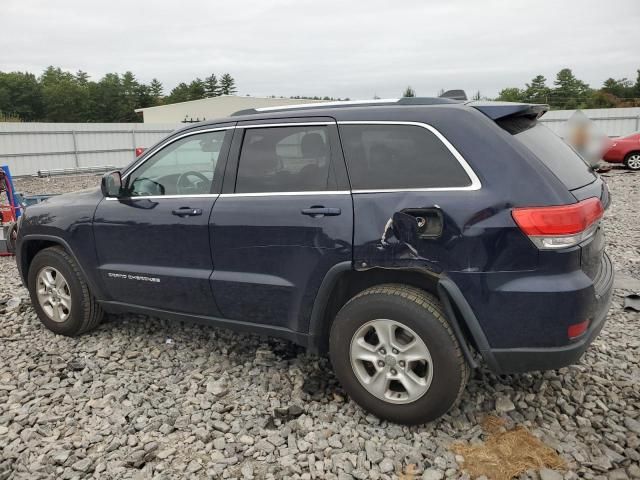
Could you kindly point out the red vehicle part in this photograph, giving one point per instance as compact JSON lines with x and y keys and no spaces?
{"x":8,"y":216}
{"x":625,"y":150}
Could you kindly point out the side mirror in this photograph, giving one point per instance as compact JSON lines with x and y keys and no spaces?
{"x":111,"y":184}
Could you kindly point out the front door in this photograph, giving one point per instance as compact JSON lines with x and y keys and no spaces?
{"x":286,"y":218}
{"x":153,"y":243}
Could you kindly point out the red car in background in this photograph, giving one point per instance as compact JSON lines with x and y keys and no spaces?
{"x":625,"y":150}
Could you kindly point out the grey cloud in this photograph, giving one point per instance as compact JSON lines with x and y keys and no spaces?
{"x":355,"y":49}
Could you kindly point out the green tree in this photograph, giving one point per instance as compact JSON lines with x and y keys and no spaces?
{"x":636,"y":86}
{"x":537,"y":91}
{"x":227,"y":85}
{"x":511,"y":94}
{"x":570,"y":92}
{"x":64,"y":98}
{"x":621,"y":88}
{"x":180,"y":93}
{"x":477,"y":96}
{"x":409,"y":92}
{"x":82,"y":77}
{"x":106,"y":99}
{"x":197,"y":89}
{"x":156,"y":90}
{"x":21,"y":96}
{"x":211,"y":86}
{"x":130,"y":97}
{"x":601,"y":99}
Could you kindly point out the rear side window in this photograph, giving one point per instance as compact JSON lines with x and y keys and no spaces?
{"x":381,"y":157}
{"x":559,"y":157}
{"x":285,"y":159}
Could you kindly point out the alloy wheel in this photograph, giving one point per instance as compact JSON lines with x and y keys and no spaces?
{"x":391,"y":361}
{"x":633,"y":162}
{"x":54,"y":294}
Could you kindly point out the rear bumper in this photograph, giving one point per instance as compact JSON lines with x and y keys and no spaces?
{"x":531,"y":359}
{"x":517,"y":360}
{"x":540,"y":316}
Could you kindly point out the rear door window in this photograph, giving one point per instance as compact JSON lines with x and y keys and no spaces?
{"x":388,"y":157}
{"x":285,"y":159}
{"x":557,"y":155}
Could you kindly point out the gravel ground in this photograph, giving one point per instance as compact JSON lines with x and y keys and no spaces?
{"x":58,"y":184}
{"x":143,"y":397}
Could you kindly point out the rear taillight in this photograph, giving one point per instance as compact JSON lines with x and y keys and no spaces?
{"x":559,"y":226}
{"x":140,"y":151}
{"x":577,"y":329}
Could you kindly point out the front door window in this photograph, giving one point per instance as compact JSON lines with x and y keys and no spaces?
{"x":184,"y":167}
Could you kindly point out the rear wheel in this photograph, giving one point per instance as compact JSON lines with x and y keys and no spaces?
{"x":632,"y":161}
{"x":396,"y":356}
{"x":60,"y":295}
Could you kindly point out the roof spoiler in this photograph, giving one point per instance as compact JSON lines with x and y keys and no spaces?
{"x":498,"y":110}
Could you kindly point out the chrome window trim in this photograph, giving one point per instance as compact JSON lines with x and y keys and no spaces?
{"x":170,"y":141}
{"x":475,"y":181}
{"x":158,"y":197}
{"x":285,"y":194}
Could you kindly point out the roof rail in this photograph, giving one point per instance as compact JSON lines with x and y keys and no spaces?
{"x":349,"y":103}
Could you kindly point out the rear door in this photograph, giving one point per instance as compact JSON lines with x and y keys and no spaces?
{"x":153,"y":243}
{"x":284,"y":219}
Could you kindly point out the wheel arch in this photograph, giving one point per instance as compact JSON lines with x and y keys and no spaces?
{"x":30,"y":245}
{"x":342,"y":283}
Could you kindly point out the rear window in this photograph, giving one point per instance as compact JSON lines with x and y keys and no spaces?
{"x":557,"y":155}
{"x":387,"y":157}
{"x":285,"y":159}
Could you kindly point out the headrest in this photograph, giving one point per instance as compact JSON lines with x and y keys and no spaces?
{"x":313,"y":146}
{"x":259,"y":158}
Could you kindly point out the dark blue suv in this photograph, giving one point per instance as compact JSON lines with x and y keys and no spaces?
{"x":410,"y":239}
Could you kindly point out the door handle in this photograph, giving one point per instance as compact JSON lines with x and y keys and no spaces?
{"x":187,"y":212}
{"x":319,"y":211}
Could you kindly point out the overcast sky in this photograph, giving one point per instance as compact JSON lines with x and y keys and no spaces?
{"x":354,"y":49}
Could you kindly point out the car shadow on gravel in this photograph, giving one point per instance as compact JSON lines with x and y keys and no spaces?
{"x":240,"y":347}
{"x":320,"y":383}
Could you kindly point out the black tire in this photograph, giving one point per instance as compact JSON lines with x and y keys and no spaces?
{"x":12,"y":236}
{"x":632,"y":165}
{"x":85,"y":313}
{"x":422,"y":313}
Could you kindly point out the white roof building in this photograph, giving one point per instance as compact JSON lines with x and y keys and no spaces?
{"x":211,"y":108}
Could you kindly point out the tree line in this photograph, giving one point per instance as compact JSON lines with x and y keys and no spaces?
{"x":61,"y":96}
{"x":567,"y":93}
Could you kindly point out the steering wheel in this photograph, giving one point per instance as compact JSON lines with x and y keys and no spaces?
{"x":190,"y":187}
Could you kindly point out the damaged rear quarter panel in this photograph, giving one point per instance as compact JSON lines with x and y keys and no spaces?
{"x":472,"y":239}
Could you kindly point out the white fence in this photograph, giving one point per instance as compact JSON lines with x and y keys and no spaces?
{"x":29,"y":148}
{"x":613,"y":122}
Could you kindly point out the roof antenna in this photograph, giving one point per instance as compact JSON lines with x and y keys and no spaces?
{"x":455,"y":95}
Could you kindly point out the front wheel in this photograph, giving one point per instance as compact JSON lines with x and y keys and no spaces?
{"x":60,"y":294}
{"x":632,"y":161}
{"x":395,"y":354}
